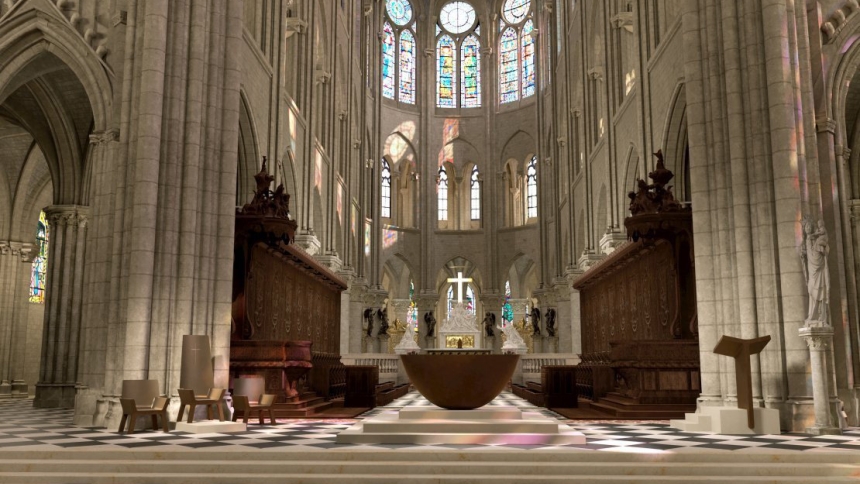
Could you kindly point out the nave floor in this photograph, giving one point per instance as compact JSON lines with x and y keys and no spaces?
{"x":24,"y":427}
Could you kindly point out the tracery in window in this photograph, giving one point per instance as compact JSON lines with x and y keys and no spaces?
{"x":516,"y":52}
{"x":386,"y":190}
{"x":458,"y":57}
{"x":399,"y":52}
{"x":457,"y":17}
{"x":531,"y":188}
{"x":443,"y":194}
{"x":476,"y":194}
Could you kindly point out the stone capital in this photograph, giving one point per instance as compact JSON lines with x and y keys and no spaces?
{"x":20,"y":250}
{"x":102,"y":137}
{"x":67,"y":215}
{"x":818,"y":337}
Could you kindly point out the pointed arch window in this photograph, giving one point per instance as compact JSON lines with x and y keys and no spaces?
{"x":516,"y":52}
{"x":470,"y":75}
{"x":39,"y":269}
{"x":388,"y":61}
{"x":399,"y":52}
{"x":445,"y":88}
{"x":508,"y":75}
{"x":507,"y":308}
{"x":386,"y":190}
{"x":528,"y":48}
{"x":531,"y":188}
{"x":458,"y":57}
{"x":476,"y":194}
{"x":443,"y":194}
{"x":407,"y":67}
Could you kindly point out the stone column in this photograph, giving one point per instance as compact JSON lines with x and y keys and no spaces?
{"x":14,"y":290}
{"x":819,"y":339}
{"x":58,"y":375}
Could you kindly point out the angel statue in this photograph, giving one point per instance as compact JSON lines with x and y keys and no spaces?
{"x":368,"y":320}
{"x":430,"y":321}
{"x":813,"y":255}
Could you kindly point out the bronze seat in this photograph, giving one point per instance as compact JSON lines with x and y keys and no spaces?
{"x":243,"y":405}
{"x":213,"y":399}
{"x":130,"y":412}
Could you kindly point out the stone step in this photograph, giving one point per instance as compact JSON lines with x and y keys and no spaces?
{"x":310,"y":468}
{"x":519,"y":426}
{"x":304,"y":411}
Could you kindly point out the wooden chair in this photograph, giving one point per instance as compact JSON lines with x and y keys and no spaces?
{"x":130,"y":412}
{"x":214,"y":399}
{"x":242,"y":404}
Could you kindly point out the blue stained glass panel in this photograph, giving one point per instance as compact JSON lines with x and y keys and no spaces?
{"x":508,"y":69}
{"x":470,"y":77}
{"x":388,"y":61}
{"x":445,"y":87}
{"x":407,"y":67}
{"x":39,"y":269}
{"x":528,"y":45}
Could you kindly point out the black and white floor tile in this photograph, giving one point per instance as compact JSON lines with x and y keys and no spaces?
{"x":22,"y":426}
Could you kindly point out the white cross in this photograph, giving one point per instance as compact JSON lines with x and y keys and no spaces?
{"x":459,"y":280}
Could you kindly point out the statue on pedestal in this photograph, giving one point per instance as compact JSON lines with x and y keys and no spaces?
{"x":813,"y":254}
{"x":430,"y":321}
{"x":550,"y":322}
{"x":536,"y":321}
{"x":489,"y":324}
{"x":513,"y":341}
{"x":368,"y":319}
{"x":382,"y":316}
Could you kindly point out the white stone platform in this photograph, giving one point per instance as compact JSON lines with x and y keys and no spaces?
{"x":211,"y":427}
{"x":730,"y":421}
{"x":487,"y":425}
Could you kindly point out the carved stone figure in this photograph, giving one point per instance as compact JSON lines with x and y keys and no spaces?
{"x":430,"y":321}
{"x":813,"y":253}
{"x":656,"y":197}
{"x":382,"y":316}
{"x":489,"y":323}
{"x":550,"y":322}
{"x":368,"y":319}
{"x":513,"y":340}
{"x":536,"y":321}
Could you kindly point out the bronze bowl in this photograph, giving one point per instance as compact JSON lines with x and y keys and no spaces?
{"x":460,"y":382}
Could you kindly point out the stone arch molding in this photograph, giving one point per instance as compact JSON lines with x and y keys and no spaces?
{"x":36,"y":28}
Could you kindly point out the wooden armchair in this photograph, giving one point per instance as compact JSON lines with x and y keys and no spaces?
{"x":242,"y":404}
{"x":130,"y":412}
{"x":214,"y":399}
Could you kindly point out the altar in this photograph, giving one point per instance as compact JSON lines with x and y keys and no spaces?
{"x":458,"y":351}
{"x":461,"y":328}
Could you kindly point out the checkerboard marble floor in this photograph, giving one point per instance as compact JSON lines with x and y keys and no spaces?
{"x":22,"y":426}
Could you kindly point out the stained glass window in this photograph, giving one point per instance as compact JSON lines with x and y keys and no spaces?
{"x":39,"y":269}
{"x":445,"y":88}
{"x":531,"y":187}
{"x":388,"y":61}
{"x":407,"y":67}
{"x":386,"y":190}
{"x":528,"y":45}
{"x":470,"y":74}
{"x":507,"y":309}
{"x":508,"y":71}
{"x":412,"y":315}
{"x":443,"y":194}
{"x":476,"y":194}
{"x":400,"y":11}
{"x":514,"y":11}
{"x":457,"y":17}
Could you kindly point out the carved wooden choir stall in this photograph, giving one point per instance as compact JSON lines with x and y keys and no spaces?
{"x":286,"y":309}
{"x":640,"y":351}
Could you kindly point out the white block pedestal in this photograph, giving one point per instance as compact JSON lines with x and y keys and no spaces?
{"x":727,"y":420}
{"x":211,"y":427}
{"x":493,"y":425}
